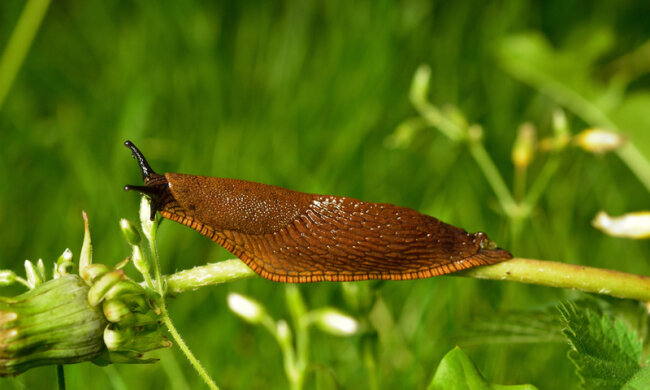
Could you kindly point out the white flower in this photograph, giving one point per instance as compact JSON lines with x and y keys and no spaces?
{"x":245,"y":307}
{"x":334,"y":322}
{"x":598,"y":140}
{"x":632,"y":225}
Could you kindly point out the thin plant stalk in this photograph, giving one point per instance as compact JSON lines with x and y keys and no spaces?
{"x":19,"y":43}
{"x":491,"y":173}
{"x":60,"y":377}
{"x":185,"y":349}
{"x":167,"y":319}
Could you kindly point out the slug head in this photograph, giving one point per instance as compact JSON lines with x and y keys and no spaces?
{"x":155,"y":185}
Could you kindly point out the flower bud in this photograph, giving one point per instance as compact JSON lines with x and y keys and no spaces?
{"x":598,"y":140}
{"x":7,"y":278}
{"x":116,"y":310}
{"x":140,"y":262}
{"x":33,"y":275}
{"x":130,"y":232}
{"x":122,"y":288}
{"x":146,"y":338}
{"x":102,"y":285}
{"x":420,"y":84}
{"x":50,"y":324}
{"x":334,"y":322}
{"x":62,"y":264}
{"x":524,"y":147}
{"x":631,"y":225}
{"x":283,"y":332}
{"x":93,"y":271}
{"x":115,"y":337}
{"x":86,"y":254}
{"x":246,"y":308}
{"x":145,"y":217}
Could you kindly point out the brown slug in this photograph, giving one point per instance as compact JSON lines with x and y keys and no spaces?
{"x":294,"y":237}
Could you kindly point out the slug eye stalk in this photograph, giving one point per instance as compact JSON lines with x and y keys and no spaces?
{"x":154,"y":184}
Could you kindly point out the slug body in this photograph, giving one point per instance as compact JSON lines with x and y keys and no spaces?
{"x":295,"y":237}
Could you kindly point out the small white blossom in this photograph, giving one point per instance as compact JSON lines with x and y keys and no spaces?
{"x":245,"y":307}
{"x":598,"y":140}
{"x":334,"y":322}
{"x":632,"y":225}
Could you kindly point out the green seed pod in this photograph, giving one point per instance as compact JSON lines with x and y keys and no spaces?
{"x":91,"y":272}
{"x":7,"y":277}
{"x":123,"y":288}
{"x":51,"y":324}
{"x":130,"y":232}
{"x":116,"y":310}
{"x":99,"y":289}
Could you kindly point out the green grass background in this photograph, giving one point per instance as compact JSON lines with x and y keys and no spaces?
{"x":303,"y":95}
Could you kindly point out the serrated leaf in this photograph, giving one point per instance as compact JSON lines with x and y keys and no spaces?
{"x":605,"y":352}
{"x":640,"y":381}
{"x":458,"y":372}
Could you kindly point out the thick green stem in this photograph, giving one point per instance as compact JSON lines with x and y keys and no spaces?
{"x":562,"y":275}
{"x":208,"y":275}
{"x":540,"y":272}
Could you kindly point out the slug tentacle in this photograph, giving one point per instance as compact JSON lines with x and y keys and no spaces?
{"x":290,"y":236}
{"x":144,"y":165}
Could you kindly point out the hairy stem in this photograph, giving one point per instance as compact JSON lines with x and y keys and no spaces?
{"x":541,"y":272}
{"x":186,"y":350}
{"x":562,"y":275}
{"x":208,"y":275}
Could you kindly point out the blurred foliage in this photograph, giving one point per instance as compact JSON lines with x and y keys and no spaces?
{"x":304,"y":95}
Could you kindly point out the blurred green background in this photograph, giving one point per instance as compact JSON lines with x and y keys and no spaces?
{"x":304,"y":95}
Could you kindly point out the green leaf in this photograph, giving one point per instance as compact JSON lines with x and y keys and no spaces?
{"x":605,"y":352}
{"x":458,"y":372}
{"x":640,"y":381}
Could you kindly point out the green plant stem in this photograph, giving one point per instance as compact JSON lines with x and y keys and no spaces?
{"x":588,"y":111}
{"x":22,"y":281}
{"x":562,"y":275}
{"x":168,"y":321}
{"x":371,"y":367}
{"x":299,"y":317}
{"x":519,"y":186}
{"x":531,"y":271}
{"x":541,"y":182}
{"x":19,"y":43}
{"x":156,"y":261}
{"x":637,"y":163}
{"x":186,"y":350}
{"x":60,"y":377}
{"x":493,"y":177}
{"x":208,"y":275}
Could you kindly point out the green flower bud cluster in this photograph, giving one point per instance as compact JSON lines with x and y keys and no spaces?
{"x":132,"y":314}
{"x":100,"y":315}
